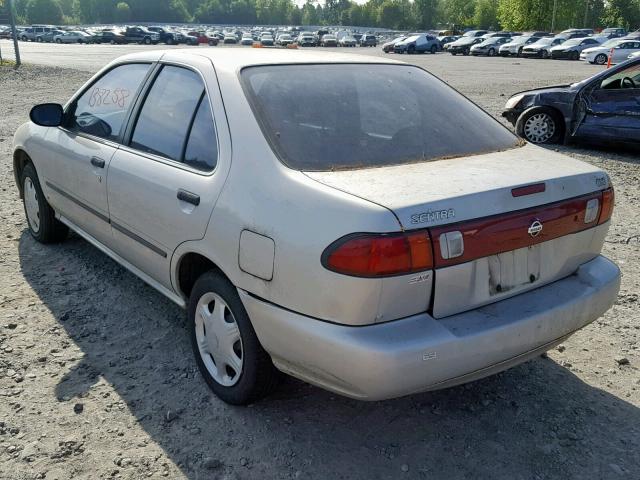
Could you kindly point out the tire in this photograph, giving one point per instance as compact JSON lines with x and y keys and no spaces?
{"x":411,"y":50}
{"x":491,"y":52}
{"x":600,"y":59}
{"x":544,"y":54}
{"x":147,"y":41}
{"x":257,"y":377}
{"x":434,"y":49}
{"x":519,"y":54}
{"x":24,"y":38}
{"x":58,"y":41}
{"x":39,"y":39}
{"x":574,"y":56}
{"x":465,"y":52}
{"x":43,"y":225}
{"x":112,"y":42}
{"x":540,"y":125}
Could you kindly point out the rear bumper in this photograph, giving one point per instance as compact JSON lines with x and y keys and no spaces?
{"x":421,"y":353}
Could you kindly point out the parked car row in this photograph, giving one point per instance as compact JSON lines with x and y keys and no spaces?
{"x":572,"y":44}
{"x":152,"y":35}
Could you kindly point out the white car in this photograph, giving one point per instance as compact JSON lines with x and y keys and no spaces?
{"x":516,"y":44}
{"x":368,"y":254}
{"x":73,"y":37}
{"x":620,"y":47}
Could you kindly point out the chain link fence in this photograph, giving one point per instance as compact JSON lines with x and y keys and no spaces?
{"x":9,"y":49}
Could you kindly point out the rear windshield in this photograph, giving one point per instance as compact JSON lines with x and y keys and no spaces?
{"x":347,"y":116}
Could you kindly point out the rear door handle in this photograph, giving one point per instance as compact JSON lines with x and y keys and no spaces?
{"x":189,"y":197}
{"x":97,"y":162}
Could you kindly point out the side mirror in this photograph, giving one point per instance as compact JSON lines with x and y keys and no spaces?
{"x":47,"y":115}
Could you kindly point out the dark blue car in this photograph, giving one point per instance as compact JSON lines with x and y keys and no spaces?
{"x":602,"y":109}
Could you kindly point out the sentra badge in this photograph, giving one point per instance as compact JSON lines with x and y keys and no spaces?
{"x":433,"y":216}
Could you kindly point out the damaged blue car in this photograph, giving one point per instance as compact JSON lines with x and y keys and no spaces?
{"x":603,"y":109}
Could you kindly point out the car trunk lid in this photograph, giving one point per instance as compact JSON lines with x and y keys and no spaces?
{"x":519,"y":213}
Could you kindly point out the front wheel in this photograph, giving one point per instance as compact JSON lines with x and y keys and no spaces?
{"x":545,"y":54}
{"x":600,"y":59}
{"x":540,"y":125}
{"x":227,"y":350}
{"x":465,"y":52}
{"x":434,"y":49}
{"x":574,"y":55}
{"x":43,"y":225}
{"x":491,"y":52}
{"x":58,"y":41}
{"x":147,"y":41}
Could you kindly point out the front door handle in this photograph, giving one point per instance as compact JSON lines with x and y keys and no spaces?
{"x":97,"y":162}
{"x":189,"y":197}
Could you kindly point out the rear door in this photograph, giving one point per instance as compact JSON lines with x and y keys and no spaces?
{"x":163,"y":184}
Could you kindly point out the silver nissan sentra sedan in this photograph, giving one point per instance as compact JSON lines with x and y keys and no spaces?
{"x":313,"y":219}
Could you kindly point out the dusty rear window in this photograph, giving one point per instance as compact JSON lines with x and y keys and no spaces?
{"x":345,"y":116}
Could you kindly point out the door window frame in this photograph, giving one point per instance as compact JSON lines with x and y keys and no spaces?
{"x":137,"y":108}
{"x":86,"y":88}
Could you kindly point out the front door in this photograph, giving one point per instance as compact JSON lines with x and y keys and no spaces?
{"x":164,"y":183}
{"x":83,"y":147}
{"x":613,"y":107}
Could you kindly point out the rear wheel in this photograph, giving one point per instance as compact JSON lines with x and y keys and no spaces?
{"x":43,"y":225}
{"x":227,"y":350}
{"x":600,"y":59}
{"x":58,"y":40}
{"x":540,"y":125}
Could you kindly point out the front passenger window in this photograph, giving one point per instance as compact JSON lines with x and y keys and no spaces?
{"x":101,"y":110}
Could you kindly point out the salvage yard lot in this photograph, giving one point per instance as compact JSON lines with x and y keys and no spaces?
{"x":97,"y":378}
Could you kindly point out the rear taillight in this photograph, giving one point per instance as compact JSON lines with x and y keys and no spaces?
{"x":606,"y":211}
{"x":379,"y":255}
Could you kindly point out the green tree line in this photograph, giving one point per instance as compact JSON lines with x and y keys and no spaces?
{"x":392,"y":14}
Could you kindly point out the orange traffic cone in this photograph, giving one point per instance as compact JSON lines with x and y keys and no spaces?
{"x":610,"y":57}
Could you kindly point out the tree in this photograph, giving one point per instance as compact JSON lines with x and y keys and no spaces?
{"x":390,"y":14}
{"x":621,"y":13}
{"x":44,"y":11}
{"x":309,"y":14}
{"x":486,"y":14}
{"x":458,"y":12}
{"x":426,"y":13}
{"x":123,"y":12}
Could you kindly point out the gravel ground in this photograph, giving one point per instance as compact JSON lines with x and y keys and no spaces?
{"x":97,"y":378}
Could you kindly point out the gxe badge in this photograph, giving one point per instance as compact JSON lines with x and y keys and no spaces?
{"x":535,"y":228}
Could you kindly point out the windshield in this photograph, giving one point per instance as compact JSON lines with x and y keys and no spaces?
{"x":412,"y":38}
{"x":519,"y":40}
{"x":345,"y":116}
{"x":612,"y":43}
{"x":572,"y":42}
{"x":470,"y":34}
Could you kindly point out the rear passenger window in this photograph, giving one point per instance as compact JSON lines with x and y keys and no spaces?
{"x":202,"y":147}
{"x":101,"y":110}
{"x":176,"y":122}
{"x":164,"y":120}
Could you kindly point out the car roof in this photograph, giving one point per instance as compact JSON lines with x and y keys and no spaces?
{"x":233,"y":59}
